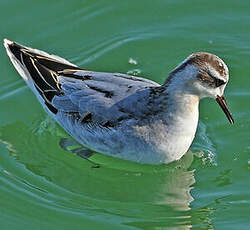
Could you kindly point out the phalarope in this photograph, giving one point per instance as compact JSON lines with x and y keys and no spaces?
{"x":121,"y":115}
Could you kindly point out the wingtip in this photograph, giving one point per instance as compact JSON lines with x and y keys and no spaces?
{"x":7,"y":42}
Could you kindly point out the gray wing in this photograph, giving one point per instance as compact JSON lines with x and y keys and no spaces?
{"x":62,"y":87}
{"x":104,"y":98}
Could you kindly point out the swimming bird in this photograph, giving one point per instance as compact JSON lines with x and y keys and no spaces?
{"x":124,"y":116}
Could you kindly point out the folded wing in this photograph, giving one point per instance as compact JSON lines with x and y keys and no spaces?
{"x":102,"y":98}
{"x":105,"y":97}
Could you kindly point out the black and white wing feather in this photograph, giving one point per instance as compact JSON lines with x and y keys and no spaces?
{"x":102,"y":98}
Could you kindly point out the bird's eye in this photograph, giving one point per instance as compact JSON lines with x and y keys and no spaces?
{"x":218,"y":82}
{"x":200,"y":77}
{"x":209,"y":79}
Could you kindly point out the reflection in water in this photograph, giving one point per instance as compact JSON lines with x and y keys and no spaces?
{"x":139,"y":194}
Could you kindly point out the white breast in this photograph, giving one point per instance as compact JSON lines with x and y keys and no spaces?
{"x":172,"y":134}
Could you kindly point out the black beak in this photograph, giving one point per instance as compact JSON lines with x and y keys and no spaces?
{"x":223,"y":104}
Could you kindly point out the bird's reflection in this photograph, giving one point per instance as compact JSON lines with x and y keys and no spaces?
{"x":139,"y":193}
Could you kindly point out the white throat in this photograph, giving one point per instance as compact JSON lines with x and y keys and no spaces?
{"x":181,"y":117}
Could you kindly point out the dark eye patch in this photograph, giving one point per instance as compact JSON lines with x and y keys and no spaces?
{"x":219,"y":82}
{"x":210,"y":80}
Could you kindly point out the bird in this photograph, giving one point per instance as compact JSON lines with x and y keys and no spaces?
{"x":120,"y":115}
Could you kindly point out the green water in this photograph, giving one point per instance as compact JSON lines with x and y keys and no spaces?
{"x":45,"y":187}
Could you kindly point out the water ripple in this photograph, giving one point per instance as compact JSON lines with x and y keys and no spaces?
{"x":107,"y":45}
{"x":11,"y":89}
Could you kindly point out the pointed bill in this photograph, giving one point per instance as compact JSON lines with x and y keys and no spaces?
{"x":223,"y":104}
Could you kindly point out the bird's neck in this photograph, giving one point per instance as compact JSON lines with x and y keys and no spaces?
{"x":175,"y":127}
{"x":181,"y":106}
{"x":181,"y":99}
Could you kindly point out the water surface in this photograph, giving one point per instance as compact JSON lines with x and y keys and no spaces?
{"x":45,"y":187}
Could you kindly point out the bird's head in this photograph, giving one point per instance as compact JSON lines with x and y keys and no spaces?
{"x":205,"y":75}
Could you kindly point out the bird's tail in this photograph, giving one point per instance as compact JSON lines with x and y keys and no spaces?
{"x":39,"y":69}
